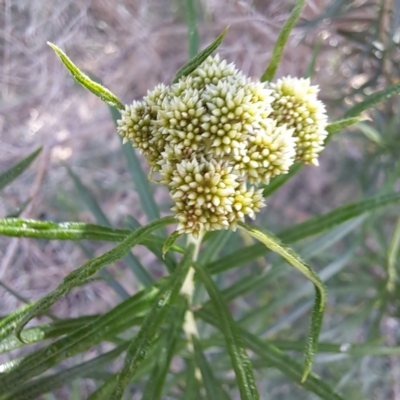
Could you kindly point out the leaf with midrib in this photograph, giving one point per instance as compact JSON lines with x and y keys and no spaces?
{"x":74,"y":279}
{"x":109,"y":324}
{"x":16,"y":227}
{"x":312,"y":226}
{"x":94,"y":87}
{"x":17,"y":169}
{"x":269,"y":73}
{"x":141,"y":344}
{"x":279,"y":360}
{"x":240,"y":360}
{"x":274,"y":244}
{"x":200,"y":58}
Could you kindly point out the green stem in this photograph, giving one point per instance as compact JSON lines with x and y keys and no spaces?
{"x":189,"y":326}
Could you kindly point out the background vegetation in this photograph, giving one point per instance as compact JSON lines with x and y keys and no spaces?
{"x":349,"y":48}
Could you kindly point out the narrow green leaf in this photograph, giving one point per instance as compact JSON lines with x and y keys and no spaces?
{"x":373,"y":99}
{"x":212,"y":385}
{"x":33,"y":389}
{"x":281,"y":41}
{"x":105,"y":390}
{"x":130,"y":260}
{"x":240,"y":360}
{"x":214,"y":246}
{"x":392,"y":258}
{"x":43,"y":332}
{"x":274,"y":244}
{"x":371,"y":133}
{"x":311,"y":66}
{"x":191,"y":382}
{"x":74,"y":278}
{"x":154,"y":387}
{"x":338,"y":126}
{"x":279,"y":360}
{"x":139,"y":178}
{"x":88,"y":199}
{"x":104,"y":326}
{"x":97,"y":89}
{"x":17,"y":169}
{"x":313,"y":226}
{"x":169,"y":242}
{"x":16,"y":227}
{"x":197,"y":60}
{"x":193,"y":37}
{"x":141,"y":344}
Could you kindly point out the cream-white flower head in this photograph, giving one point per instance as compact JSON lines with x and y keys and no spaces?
{"x":215,"y":131}
{"x":296,"y":105}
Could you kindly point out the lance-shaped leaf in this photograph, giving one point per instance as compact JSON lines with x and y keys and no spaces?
{"x":33,"y":389}
{"x":170,"y":242}
{"x":141,"y":344}
{"x":373,"y":99}
{"x":105,"y":326}
{"x":200,"y":58}
{"x":240,"y":360}
{"x":8,"y":176}
{"x":274,"y":244}
{"x":105,"y":390}
{"x":97,"y":89}
{"x":16,"y":227}
{"x":281,"y":41}
{"x":154,"y":387}
{"x":279,"y":360}
{"x":312,"y":226}
{"x":76,"y":277}
{"x":130,"y":260}
{"x":193,"y":36}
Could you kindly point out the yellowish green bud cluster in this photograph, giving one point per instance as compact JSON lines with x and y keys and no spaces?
{"x":215,"y":131}
{"x":296,"y":106}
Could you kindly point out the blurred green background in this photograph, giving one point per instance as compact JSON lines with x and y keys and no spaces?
{"x":349,"y":48}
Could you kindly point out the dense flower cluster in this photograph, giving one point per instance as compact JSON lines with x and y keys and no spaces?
{"x":215,"y":132}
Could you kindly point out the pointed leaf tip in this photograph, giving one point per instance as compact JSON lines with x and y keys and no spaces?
{"x":100,"y":91}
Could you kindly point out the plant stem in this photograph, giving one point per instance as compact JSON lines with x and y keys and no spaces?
{"x":189,"y":326}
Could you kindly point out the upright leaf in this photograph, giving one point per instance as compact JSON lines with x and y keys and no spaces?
{"x":155,"y":383}
{"x":240,"y":360}
{"x":373,"y":99}
{"x":197,"y":60}
{"x":213,"y":387}
{"x":274,"y":244}
{"x":281,"y":41}
{"x":131,"y":260}
{"x":279,"y":360}
{"x":17,"y":169}
{"x":193,"y":37}
{"x":141,"y":344}
{"x":312,"y":226}
{"x":97,"y":89}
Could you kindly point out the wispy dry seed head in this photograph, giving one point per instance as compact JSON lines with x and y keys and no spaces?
{"x":296,"y":105}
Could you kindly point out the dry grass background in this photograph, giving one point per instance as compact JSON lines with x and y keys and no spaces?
{"x":131,"y":45}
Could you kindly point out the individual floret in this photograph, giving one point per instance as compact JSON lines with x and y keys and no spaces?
{"x":296,"y":105}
